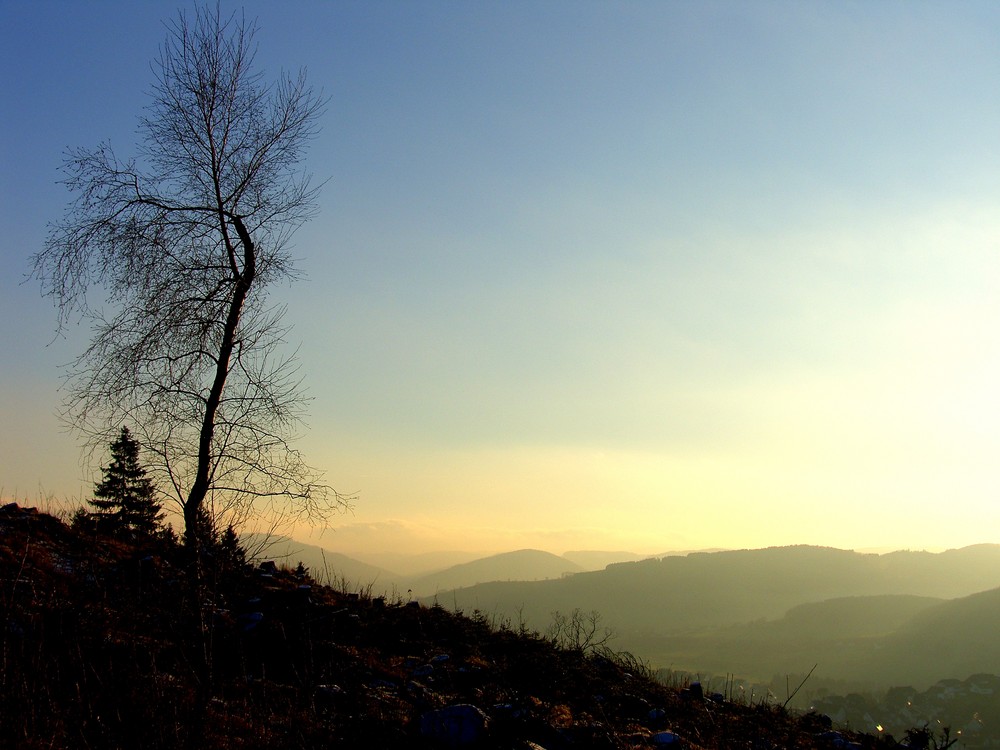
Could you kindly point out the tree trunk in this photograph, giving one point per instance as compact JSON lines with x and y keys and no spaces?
{"x":200,"y":487}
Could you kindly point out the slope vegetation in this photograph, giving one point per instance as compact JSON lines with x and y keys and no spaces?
{"x":102,"y":643}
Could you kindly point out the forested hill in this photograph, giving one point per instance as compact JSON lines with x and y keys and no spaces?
{"x":706,"y":590}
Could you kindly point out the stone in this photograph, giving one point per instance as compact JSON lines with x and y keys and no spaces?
{"x":662,"y":739}
{"x":455,"y":726}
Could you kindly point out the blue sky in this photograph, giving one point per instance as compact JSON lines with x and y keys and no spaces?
{"x":591,"y":275}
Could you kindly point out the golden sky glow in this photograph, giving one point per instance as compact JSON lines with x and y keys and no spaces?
{"x":642,"y":276}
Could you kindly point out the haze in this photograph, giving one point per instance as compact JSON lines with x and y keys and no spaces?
{"x":621,"y":276}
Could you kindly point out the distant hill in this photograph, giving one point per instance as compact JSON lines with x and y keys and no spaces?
{"x":411,"y":565}
{"x":521,"y":565}
{"x":706,"y":591}
{"x":599,"y":559}
{"x":895,"y":618}
{"x":686,"y":552}
{"x":839,"y":636}
{"x":850,"y":617}
{"x":329,"y":566}
{"x":957,"y":638}
{"x":324,"y":565}
{"x":884,"y":641}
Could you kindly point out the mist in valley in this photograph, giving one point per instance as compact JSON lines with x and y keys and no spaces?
{"x":866,"y":621}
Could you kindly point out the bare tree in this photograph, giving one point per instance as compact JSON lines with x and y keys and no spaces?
{"x":579,"y":631}
{"x":184,"y":242}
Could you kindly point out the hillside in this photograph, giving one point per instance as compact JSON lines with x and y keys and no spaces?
{"x":327,"y":566}
{"x":767,"y":614}
{"x":705,"y":591}
{"x":845,"y":638}
{"x":850,"y":617}
{"x":101,"y":649}
{"x":957,"y":638}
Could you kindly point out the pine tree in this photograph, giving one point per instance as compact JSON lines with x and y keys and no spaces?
{"x":126,"y":499}
{"x":230,"y":550}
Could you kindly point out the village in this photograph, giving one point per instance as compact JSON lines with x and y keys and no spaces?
{"x":968,"y":708}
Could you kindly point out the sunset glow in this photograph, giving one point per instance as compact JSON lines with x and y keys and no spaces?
{"x":639,"y":276}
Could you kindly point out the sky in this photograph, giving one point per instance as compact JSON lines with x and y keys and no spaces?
{"x":639,"y":276}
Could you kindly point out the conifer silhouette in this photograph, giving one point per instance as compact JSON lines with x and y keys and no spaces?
{"x":125,"y":500}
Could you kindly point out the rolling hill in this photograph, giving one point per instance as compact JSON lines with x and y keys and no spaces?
{"x":326,"y":565}
{"x":841,"y":636}
{"x":956,"y":638}
{"x":910,"y":617}
{"x":871,"y":641}
{"x":521,"y":565}
{"x":868,"y":619}
{"x":700,"y":591}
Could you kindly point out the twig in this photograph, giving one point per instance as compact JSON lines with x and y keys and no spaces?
{"x":804,"y":679}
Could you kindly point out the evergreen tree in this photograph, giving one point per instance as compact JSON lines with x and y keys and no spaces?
{"x":202,"y":533}
{"x":125,"y":500}
{"x":230,"y":550}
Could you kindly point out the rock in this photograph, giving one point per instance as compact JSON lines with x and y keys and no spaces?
{"x":693,"y":692}
{"x":457,"y":725}
{"x":662,"y":739}
{"x":249,"y":621}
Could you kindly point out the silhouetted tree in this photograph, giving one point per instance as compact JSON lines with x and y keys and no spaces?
{"x":204,"y":530}
{"x":231,"y":552}
{"x":185,"y":241}
{"x":126,"y":499}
